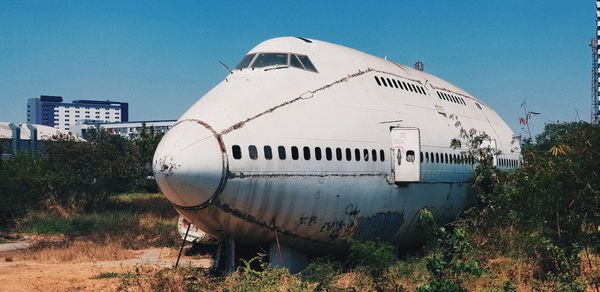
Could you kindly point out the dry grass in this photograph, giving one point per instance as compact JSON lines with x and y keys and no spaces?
{"x":76,"y":251}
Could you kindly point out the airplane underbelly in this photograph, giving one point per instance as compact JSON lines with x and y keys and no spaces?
{"x":324,"y":208}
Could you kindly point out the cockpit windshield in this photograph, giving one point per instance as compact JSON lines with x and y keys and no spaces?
{"x":245,"y":61}
{"x":270,"y":59}
{"x":283,"y":60}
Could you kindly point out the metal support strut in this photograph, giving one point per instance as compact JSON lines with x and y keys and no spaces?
{"x":182,"y":244}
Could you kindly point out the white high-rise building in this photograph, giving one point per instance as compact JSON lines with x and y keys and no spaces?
{"x":52,"y":111}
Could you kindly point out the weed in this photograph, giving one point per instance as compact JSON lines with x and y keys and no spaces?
{"x":372,"y":257}
{"x":323,"y":272}
{"x":109,"y":275}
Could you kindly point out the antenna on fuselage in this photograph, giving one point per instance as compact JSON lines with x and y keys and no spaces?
{"x":226,"y":67}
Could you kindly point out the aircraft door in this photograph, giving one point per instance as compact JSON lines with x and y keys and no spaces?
{"x":406,"y":152}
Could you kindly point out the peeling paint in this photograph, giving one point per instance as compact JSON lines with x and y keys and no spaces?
{"x":382,"y":225}
{"x":166,"y":165}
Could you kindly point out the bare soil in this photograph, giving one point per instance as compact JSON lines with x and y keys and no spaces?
{"x":54,"y":269}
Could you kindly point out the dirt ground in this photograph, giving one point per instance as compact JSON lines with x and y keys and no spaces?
{"x":28,"y":275}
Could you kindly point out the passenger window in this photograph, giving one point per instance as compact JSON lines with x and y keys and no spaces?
{"x":410,"y":156}
{"x":281,"y":151}
{"x":390,"y":82}
{"x":437,"y":158}
{"x":366,"y":155}
{"x":421,"y":157}
{"x":307,"y":63}
{"x":294,"y":62}
{"x":374,"y":154}
{"x":383,"y":81}
{"x":328,"y":153}
{"x":306,"y":152}
{"x":245,"y":62}
{"x":405,"y":86}
{"x":252,"y":152}
{"x":381,"y":155}
{"x":357,"y":154}
{"x":348,"y":154}
{"x":268,"y":152}
{"x":395,"y":84}
{"x":270,"y":59}
{"x":446,"y":155}
{"x":427,"y":157}
{"x":451,"y":159}
{"x":400,"y":84}
{"x":237,"y":152}
{"x":318,"y":153}
{"x":338,"y":154}
{"x":377,"y":80}
{"x":412,"y":88}
{"x":295,"y":153}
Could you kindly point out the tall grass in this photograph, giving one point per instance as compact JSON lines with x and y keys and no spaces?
{"x":135,"y":220}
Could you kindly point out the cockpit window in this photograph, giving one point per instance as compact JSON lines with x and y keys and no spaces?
{"x":295,"y":62}
{"x":282,"y":60}
{"x":245,"y":61}
{"x":270,"y":59}
{"x":307,"y":63}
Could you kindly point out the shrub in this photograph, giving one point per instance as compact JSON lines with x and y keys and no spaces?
{"x":372,"y":257}
{"x":322,"y":271}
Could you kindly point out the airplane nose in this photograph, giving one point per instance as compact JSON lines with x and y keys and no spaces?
{"x":188,"y":164}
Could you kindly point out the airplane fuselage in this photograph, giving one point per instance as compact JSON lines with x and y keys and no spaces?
{"x":355,"y":147}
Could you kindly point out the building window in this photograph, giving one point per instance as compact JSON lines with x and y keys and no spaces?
{"x":252,"y":152}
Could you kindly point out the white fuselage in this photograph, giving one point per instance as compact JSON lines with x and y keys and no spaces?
{"x":318,"y":197}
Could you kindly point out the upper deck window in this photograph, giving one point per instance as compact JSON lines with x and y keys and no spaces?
{"x":245,"y":61}
{"x":270,"y":59}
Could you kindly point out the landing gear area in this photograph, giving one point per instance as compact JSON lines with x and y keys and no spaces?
{"x":228,"y":255}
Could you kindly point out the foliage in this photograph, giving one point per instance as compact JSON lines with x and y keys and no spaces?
{"x":74,"y":176}
{"x":448,"y":261}
{"x":266,"y":278}
{"x":549,"y":209}
{"x":322,"y":271}
{"x":372,"y":257}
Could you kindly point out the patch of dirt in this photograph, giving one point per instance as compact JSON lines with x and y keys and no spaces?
{"x":17,"y":274}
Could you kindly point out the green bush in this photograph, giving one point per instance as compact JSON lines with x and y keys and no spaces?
{"x":372,"y":257}
{"x":322,"y":271}
{"x":73,"y":176}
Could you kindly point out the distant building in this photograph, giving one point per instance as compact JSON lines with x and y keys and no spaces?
{"x":53,"y":112}
{"x":125,"y":129}
{"x":16,"y":137}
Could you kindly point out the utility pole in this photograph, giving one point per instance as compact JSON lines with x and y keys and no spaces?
{"x":595,"y":45}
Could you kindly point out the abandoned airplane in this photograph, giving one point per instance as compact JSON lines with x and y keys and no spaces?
{"x":306,"y":143}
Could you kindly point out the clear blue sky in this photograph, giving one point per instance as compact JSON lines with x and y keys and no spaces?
{"x":161,"y":56}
